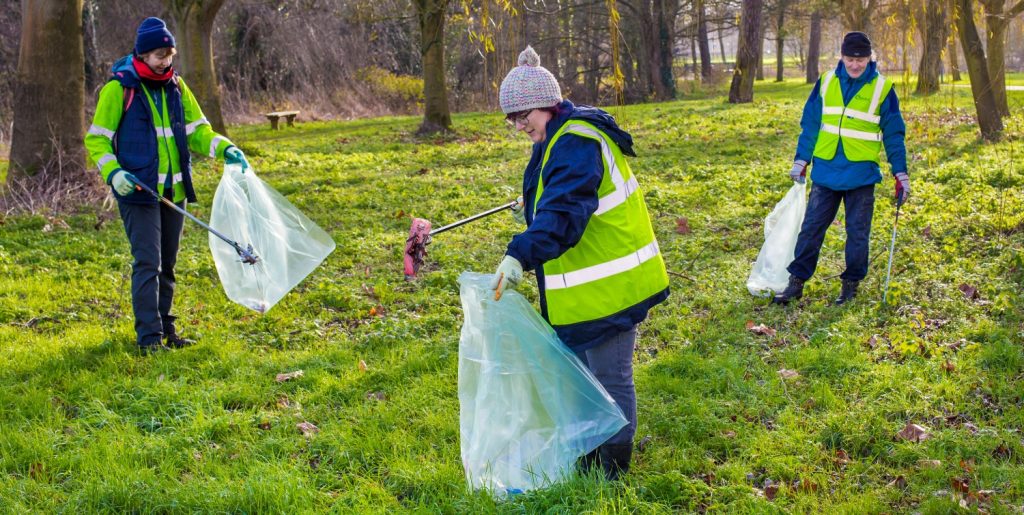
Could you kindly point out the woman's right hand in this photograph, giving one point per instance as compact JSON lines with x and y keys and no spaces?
{"x":123,"y":182}
{"x":518,"y":213}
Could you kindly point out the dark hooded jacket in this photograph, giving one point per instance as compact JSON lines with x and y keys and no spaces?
{"x":572,"y":176}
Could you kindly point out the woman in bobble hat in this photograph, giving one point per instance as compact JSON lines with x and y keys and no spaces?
{"x":588,"y":237}
{"x":146,"y":124}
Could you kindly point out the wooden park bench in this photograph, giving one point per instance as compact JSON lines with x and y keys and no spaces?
{"x":276,"y":115}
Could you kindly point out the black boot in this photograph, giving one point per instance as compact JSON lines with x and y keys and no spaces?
{"x":588,"y":461}
{"x":848,"y":292}
{"x":615,"y":460}
{"x":794,"y":290}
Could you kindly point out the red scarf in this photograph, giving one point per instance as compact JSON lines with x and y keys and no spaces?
{"x":147,"y":73}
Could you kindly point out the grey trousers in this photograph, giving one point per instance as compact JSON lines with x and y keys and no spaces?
{"x":611,"y":362}
{"x":154,"y":233}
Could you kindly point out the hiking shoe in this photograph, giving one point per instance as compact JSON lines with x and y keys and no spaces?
{"x":848,"y":292}
{"x":175,"y":341}
{"x":794,"y":290}
{"x":615,"y":460}
{"x":152,"y":348}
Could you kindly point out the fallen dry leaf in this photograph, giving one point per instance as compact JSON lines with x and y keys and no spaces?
{"x":786,"y":373}
{"x":970,"y":292}
{"x":289,"y":376}
{"x":362,"y":366}
{"x":376,"y":396}
{"x":770,"y":491}
{"x":377,"y":311}
{"x":307,"y":428}
{"x":729,"y":434}
{"x":1001,"y":452}
{"x":283,"y":402}
{"x":760,"y":329}
{"x":948,"y":366}
{"x":644,"y":442}
{"x":683,"y":225}
{"x":842,"y":458}
{"x":929,"y":464}
{"x":265,"y":425}
{"x":872,"y":342}
{"x":967,"y":465}
{"x":900,"y":482}
{"x":960,"y":484}
{"x":914,"y":433}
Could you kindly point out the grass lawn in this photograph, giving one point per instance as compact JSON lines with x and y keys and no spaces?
{"x":89,"y":425}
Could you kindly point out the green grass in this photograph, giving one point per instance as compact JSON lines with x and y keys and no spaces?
{"x":87,"y":425}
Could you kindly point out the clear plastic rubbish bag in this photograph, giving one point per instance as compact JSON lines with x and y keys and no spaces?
{"x":781,"y":229}
{"x":528,"y":407}
{"x":288,"y":244}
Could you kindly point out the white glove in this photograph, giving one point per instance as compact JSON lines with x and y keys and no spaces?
{"x":518,"y":211}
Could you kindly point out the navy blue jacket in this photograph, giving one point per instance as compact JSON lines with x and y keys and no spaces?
{"x":135,"y":142}
{"x":839,"y":173}
{"x":571,"y":180}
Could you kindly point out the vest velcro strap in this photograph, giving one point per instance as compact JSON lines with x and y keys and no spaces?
{"x":850,"y":133}
{"x":603,"y":270}
{"x":617,"y":197}
{"x":213,"y":145}
{"x":863,"y":116}
{"x":101,"y":131}
{"x":190,"y":128}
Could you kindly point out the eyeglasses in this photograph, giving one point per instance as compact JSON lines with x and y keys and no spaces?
{"x":518,"y":118}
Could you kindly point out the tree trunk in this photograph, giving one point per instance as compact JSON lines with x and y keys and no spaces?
{"x":194,"y":22}
{"x":49,"y":91}
{"x":742,"y":88}
{"x":998,"y":20}
{"x":780,"y":39}
{"x":933,"y":37}
{"x":436,"y":115}
{"x":814,"y":48}
{"x":954,"y":59}
{"x":760,"y":49}
{"x":856,"y":14}
{"x":664,"y":16}
{"x":989,"y":119}
{"x":721,"y":45}
{"x":702,"y":41}
{"x":570,"y":87}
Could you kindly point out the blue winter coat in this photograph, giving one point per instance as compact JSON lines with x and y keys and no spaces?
{"x":839,"y":173}
{"x":571,"y":179}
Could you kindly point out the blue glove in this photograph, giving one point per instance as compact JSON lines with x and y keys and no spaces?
{"x":123,"y":182}
{"x":234,"y":156}
{"x":902,"y":187}
{"x":507,"y":277}
{"x":799,"y":171}
{"x":518,"y":213}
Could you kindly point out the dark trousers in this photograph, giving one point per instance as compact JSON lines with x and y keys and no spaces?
{"x":821,"y":211}
{"x":612,"y":364}
{"x":154,"y":232}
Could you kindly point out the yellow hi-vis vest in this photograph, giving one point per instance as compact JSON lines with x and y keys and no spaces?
{"x":616,"y":263}
{"x":856,"y":123}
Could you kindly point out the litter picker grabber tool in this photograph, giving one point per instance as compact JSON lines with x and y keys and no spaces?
{"x":246,"y":253}
{"x":892,"y":247}
{"x":420,"y":233}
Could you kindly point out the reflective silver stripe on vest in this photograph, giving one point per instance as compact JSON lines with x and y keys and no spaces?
{"x":164,"y":132}
{"x":190,"y":128}
{"x":101,"y":131}
{"x":623,"y":188}
{"x":213,"y":145}
{"x":850,"y":133}
{"x":104,"y":160}
{"x":876,"y":97}
{"x":176,"y":178}
{"x":603,"y":270}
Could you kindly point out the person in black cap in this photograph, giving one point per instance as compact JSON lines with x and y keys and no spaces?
{"x":146,"y":125}
{"x":851,"y":114}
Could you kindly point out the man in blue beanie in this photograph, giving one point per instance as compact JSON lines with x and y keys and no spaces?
{"x":147,"y":123}
{"x":851,"y":114}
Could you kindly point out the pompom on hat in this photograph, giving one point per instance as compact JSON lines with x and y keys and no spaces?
{"x":529,"y":85}
{"x":152,"y":34}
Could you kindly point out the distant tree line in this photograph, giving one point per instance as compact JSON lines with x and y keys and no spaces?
{"x":345,"y":58}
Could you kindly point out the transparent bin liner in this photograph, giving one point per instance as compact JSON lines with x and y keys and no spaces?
{"x":781,"y":229}
{"x":528,"y":406}
{"x":289,"y":245}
